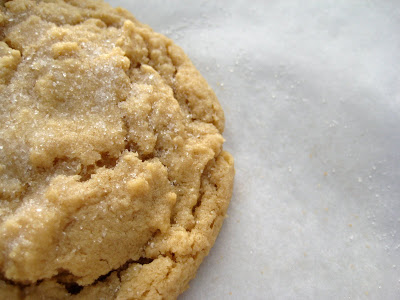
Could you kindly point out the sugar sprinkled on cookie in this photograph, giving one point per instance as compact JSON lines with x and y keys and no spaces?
{"x":114,"y":182}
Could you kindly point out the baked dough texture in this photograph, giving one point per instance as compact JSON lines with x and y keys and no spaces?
{"x":114,"y":184}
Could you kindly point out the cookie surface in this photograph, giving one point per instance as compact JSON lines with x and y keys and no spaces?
{"x":114,"y":183}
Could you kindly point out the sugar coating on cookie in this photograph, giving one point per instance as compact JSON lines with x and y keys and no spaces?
{"x":113,"y":180}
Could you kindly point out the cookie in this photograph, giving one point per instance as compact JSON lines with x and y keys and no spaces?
{"x":114,"y":183}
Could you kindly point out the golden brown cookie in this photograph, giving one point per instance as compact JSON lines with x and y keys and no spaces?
{"x":113,"y":181}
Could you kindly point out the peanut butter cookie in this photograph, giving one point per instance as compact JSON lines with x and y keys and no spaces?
{"x":114,"y":183}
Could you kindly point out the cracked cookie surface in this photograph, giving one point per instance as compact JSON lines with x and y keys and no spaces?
{"x":113,"y":180}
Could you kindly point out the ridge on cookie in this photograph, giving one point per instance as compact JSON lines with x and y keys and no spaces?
{"x":114,"y":182}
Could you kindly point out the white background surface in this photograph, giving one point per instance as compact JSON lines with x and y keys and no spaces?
{"x":311,"y":92}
